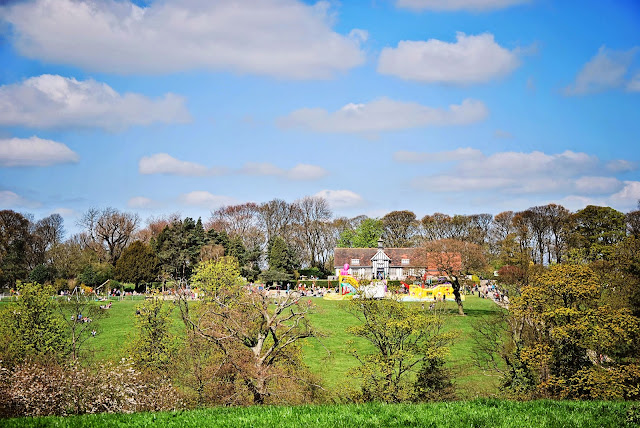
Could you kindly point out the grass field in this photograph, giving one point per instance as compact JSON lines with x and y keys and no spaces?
{"x":477,"y":413}
{"x":327,"y":356}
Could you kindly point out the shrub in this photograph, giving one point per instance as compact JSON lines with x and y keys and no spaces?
{"x":37,"y":389}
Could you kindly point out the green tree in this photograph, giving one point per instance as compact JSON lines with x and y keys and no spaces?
{"x":138,"y":264}
{"x":15,"y":243}
{"x":257,"y":335}
{"x":31,"y":328}
{"x":153,"y":347}
{"x":409,"y":349}
{"x":365,"y":235}
{"x":455,"y":259}
{"x":178,"y":248}
{"x":596,"y":231}
{"x":568,"y":336}
{"x":82,"y":317}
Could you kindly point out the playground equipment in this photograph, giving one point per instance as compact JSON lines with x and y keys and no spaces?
{"x":347,"y":286}
{"x":421,"y":292}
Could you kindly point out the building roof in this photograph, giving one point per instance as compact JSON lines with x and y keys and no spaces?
{"x":417,"y":256}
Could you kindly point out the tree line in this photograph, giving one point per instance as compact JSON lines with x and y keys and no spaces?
{"x":278,"y":240}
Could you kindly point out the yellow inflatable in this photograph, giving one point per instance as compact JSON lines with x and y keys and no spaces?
{"x":438,"y":292}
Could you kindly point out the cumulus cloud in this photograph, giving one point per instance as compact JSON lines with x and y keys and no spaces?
{"x":204,"y":199}
{"x":300,"y":172}
{"x":606,"y":70}
{"x":283,"y":38}
{"x":515,"y":173}
{"x":471,"y":59}
{"x":628,"y":196}
{"x":457,"y":155}
{"x":341,"y":198}
{"x":163,"y":163}
{"x":9,"y":199}
{"x":34,"y":151}
{"x":64,"y":212}
{"x":141,"y":202}
{"x":384,"y":114}
{"x":620,"y":165}
{"x":51,"y":101}
{"x":449,"y":5}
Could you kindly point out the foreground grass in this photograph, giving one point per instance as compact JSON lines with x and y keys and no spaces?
{"x":479,"y":413}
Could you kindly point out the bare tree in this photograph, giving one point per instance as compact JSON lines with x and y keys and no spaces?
{"x":559,"y":219}
{"x":239,"y":221}
{"x":108,"y":231}
{"x":276,"y":218}
{"x":399,"y":228}
{"x":313,"y":213}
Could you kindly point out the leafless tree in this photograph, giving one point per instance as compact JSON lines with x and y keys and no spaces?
{"x":108,"y":231}
{"x":276,"y":218}
{"x":399,"y":228}
{"x":239,"y":221}
{"x":314,"y":213}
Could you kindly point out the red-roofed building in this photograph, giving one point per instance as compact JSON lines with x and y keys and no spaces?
{"x":387,"y":263}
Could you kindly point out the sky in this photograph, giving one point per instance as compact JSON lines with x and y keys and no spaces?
{"x":458,"y":107}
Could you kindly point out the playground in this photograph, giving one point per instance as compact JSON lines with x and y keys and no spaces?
{"x":349,"y":287}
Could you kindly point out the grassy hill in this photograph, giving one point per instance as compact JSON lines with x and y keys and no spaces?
{"x":327,"y":356}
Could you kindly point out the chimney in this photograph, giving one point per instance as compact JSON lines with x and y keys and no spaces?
{"x":380,"y":246}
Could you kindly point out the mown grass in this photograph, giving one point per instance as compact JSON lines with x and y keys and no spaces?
{"x":326,"y":356}
{"x":477,"y":413}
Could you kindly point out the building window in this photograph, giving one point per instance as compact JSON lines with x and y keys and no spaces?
{"x":355,"y":262}
{"x":405,"y":261}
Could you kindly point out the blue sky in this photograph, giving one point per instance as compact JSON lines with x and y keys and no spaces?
{"x":461,"y":106}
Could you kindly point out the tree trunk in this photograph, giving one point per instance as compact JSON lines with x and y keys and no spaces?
{"x":456,"y":294}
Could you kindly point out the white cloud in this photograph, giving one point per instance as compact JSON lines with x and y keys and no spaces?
{"x":620,"y":165}
{"x":141,"y":202}
{"x":206,"y":199}
{"x":261,"y":168}
{"x":499,"y":133}
{"x":34,"y":151}
{"x":628,"y":196}
{"x":306,"y":172}
{"x":447,"y":5}
{"x":300,"y":172}
{"x":597,"y":185}
{"x":64,"y":212}
{"x":606,"y":70}
{"x":162,"y":163}
{"x":471,"y":59}
{"x":457,"y":155}
{"x":515,"y":173}
{"x":283,"y":38}
{"x":634,"y":83}
{"x":9,"y":199}
{"x":384,"y":115}
{"x":341,"y":198}
{"x":51,"y":101}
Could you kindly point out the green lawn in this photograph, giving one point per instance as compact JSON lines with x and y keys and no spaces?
{"x":478,"y":413}
{"x":327,"y":355}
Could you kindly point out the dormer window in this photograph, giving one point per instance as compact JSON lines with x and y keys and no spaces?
{"x":405,"y":261}
{"x":355,"y":262}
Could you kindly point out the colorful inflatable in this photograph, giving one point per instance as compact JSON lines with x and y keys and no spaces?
{"x":439,"y":292}
{"x":348,"y":286}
